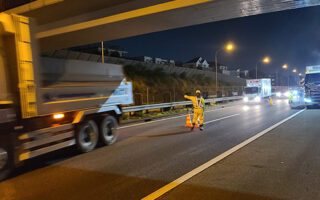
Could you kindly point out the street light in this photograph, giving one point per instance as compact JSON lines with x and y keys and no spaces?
{"x":229,"y":47}
{"x":285,"y":66}
{"x":294,"y":70}
{"x":264,"y":60}
{"x":300,"y":74}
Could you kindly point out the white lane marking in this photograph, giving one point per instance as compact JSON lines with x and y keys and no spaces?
{"x":208,"y":164}
{"x":139,"y":124}
{"x":226,"y":117}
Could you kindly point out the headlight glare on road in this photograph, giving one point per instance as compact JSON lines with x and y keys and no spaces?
{"x":257,"y":99}
{"x":245,"y":108}
{"x":245,"y":99}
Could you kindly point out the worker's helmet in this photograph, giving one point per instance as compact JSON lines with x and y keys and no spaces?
{"x":198,"y":92}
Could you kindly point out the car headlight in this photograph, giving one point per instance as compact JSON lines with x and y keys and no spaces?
{"x":287,"y":94}
{"x":278,"y":94}
{"x":257,"y":99}
{"x":307,"y":100}
{"x":245,"y":99}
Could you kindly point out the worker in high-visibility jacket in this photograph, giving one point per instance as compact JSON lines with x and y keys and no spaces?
{"x":198,"y":107}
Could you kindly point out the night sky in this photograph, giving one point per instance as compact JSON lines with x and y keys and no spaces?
{"x":291,"y":37}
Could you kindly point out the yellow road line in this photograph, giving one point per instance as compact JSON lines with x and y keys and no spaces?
{"x":175,"y":4}
{"x":208,"y":164}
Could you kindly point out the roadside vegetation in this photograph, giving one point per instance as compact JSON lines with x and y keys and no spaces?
{"x":156,"y":86}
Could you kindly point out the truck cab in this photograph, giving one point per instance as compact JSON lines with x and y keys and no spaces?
{"x":312,"y":86}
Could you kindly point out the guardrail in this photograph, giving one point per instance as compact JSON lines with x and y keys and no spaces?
{"x":173,"y":104}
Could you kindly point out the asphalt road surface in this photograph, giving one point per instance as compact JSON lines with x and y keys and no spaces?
{"x":151,"y":155}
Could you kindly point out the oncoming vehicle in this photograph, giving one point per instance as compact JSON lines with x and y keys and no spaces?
{"x":256,"y":90}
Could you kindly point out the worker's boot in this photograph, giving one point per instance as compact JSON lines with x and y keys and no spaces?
{"x":192,"y":127}
{"x":201,"y":127}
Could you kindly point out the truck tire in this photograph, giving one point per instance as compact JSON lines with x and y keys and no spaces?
{"x":87,"y":136}
{"x":6,"y":160}
{"x":108,"y":130}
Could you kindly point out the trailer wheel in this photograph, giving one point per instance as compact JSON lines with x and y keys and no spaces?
{"x":87,"y":136}
{"x":6,"y":161}
{"x":108,"y":130}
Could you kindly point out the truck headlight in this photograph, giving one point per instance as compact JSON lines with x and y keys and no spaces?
{"x":257,"y":99}
{"x":245,"y":99}
{"x":307,"y":100}
{"x":287,"y":94}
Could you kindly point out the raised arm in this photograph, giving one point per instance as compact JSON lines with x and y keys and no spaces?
{"x":188,"y":97}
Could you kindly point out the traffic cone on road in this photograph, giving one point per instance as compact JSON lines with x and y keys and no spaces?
{"x":271,"y":101}
{"x":188,"y":122}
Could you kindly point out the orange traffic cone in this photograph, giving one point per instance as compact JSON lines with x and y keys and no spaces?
{"x":189,"y":123}
{"x":271,"y":101}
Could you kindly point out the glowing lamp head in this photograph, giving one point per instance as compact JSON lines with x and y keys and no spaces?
{"x":266,"y":60}
{"x":58,"y":116}
{"x":229,"y":47}
{"x":294,"y":70}
{"x":285,"y":66}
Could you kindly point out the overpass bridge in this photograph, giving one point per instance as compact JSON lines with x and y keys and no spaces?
{"x":68,"y":23}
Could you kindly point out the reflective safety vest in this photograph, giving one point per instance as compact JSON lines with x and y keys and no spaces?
{"x":197,"y":102}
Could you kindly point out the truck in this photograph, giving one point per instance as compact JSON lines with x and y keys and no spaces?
{"x":312,"y":86}
{"x":47,"y":103}
{"x":257,"y":89}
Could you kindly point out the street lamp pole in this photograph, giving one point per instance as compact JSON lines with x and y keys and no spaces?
{"x":265,"y":60}
{"x":257,"y":69}
{"x":216,"y":63}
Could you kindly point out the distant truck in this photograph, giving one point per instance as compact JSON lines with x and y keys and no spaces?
{"x":47,"y":104}
{"x":312,"y":86}
{"x":257,"y":89}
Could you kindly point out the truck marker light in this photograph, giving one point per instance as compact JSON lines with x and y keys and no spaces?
{"x":58,"y":116}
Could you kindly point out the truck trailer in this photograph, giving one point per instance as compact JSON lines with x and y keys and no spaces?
{"x":257,"y":89}
{"x":47,"y":104}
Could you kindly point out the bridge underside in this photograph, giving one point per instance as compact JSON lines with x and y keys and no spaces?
{"x":68,"y":23}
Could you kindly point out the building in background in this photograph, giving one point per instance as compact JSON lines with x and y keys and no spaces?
{"x":160,"y":61}
{"x":197,"y":62}
{"x":145,"y":59}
